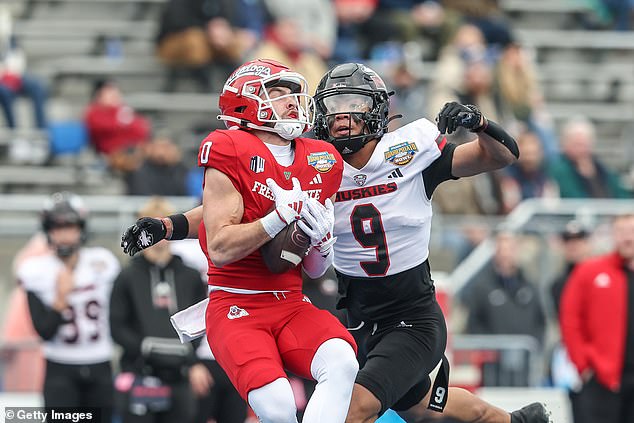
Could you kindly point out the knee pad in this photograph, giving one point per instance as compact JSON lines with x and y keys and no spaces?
{"x":335,"y":360}
{"x":274,"y":402}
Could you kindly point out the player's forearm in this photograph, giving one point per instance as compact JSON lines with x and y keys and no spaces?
{"x":499,"y":148}
{"x":234,"y":242}
{"x":315,"y":263}
{"x":194,"y":217}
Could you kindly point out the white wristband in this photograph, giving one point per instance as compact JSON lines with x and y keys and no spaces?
{"x":272,"y":224}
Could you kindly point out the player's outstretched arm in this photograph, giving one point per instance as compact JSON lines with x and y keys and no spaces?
{"x":493,"y":149}
{"x":229,"y":240}
{"x":147,"y":231}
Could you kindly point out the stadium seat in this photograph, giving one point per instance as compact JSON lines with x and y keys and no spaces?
{"x":69,"y":137}
{"x":195,"y":182}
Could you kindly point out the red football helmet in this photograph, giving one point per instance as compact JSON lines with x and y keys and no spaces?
{"x":245,"y":100}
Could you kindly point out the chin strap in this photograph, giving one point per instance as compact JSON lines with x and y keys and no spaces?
{"x":287,"y":130}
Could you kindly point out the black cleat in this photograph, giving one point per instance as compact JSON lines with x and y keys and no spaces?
{"x":532,"y":413}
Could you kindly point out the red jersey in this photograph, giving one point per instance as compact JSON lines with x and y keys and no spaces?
{"x":248,"y":162}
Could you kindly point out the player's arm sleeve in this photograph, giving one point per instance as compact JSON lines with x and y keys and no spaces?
{"x":440,"y":169}
{"x":46,"y":320}
{"x":122,"y":319}
{"x":218,"y":151}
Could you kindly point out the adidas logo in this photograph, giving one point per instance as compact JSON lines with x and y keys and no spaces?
{"x":395,"y":174}
{"x":346,"y":150}
{"x":316,"y":180}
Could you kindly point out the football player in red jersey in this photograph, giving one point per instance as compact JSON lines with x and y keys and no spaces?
{"x":259,"y":177}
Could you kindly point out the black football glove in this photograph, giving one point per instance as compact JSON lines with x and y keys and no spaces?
{"x":146,"y":232}
{"x":455,"y":114}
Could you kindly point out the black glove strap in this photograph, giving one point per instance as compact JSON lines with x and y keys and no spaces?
{"x":181,"y":226}
{"x":499,"y":134}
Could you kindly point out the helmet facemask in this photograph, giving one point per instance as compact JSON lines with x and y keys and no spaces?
{"x":357,"y":106}
{"x":355,"y":90}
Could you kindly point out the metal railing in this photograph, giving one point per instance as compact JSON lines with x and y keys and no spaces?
{"x":19,"y":214}
{"x":518,"y":358}
{"x":544,"y":215}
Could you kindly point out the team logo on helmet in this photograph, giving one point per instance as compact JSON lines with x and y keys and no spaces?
{"x":322,"y":162}
{"x":401,"y":154}
{"x":250,"y":70}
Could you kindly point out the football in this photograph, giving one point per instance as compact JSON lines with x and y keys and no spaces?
{"x":286,"y":250}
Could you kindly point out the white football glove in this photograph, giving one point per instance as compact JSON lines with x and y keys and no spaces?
{"x":320,"y":221}
{"x":288,"y":206}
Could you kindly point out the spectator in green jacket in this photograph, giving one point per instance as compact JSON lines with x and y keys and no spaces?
{"x":578,"y":171}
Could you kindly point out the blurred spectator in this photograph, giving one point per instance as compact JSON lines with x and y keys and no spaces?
{"x":68,"y":291}
{"x":528,"y":177}
{"x":351,"y":16}
{"x":597,"y":324}
{"x":114,"y":128}
{"x":316,"y":22}
{"x":409,"y":94}
{"x":486,"y":15}
{"x":222,"y":403}
{"x":425,"y":22}
{"x":501,"y":301}
{"x":519,"y":90}
{"x":162,"y":171}
{"x":480,"y":197}
{"x":155,"y":285}
{"x":22,"y":354}
{"x":575,"y":239}
{"x":194,"y":34}
{"x":578,"y":171}
{"x":14,"y":81}
{"x":621,"y":13}
{"x":284,"y":42}
{"x":467,"y":43}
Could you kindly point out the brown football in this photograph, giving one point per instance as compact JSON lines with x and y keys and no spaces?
{"x":286,"y":250}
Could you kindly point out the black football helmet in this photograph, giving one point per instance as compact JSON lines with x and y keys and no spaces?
{"x":64,"y":209}
{"x":355,"y":90}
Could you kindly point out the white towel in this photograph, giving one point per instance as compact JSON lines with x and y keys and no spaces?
{"x":190,"y":323}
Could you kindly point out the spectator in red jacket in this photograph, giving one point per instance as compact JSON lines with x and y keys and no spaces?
{"x":597,"y":324}
{"x":114,"y":128}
